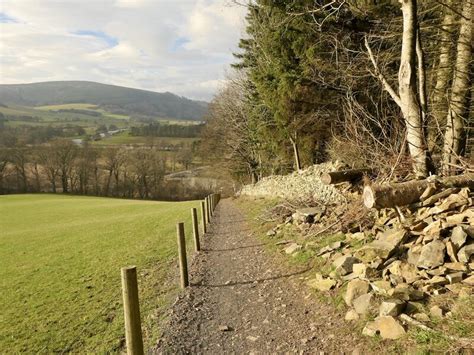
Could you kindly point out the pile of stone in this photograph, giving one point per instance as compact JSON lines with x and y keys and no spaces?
{"x":304,"y":184}
{"x":392,"y":269}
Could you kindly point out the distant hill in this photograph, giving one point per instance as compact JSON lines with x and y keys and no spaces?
{"x":115,"y":99}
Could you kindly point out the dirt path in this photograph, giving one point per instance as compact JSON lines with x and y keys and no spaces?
{"x":241,"y":301}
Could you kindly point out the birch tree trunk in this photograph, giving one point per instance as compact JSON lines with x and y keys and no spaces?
{"x":296,"y":153}
{"x":459,"y":102}
{"x":410,"y":105}
{"x":444,"y":71}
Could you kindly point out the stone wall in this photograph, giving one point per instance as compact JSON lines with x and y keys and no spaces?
{"x":305,"y":184}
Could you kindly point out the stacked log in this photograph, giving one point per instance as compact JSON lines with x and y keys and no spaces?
{"x":336,"y":177}
{"x":406,"y":193}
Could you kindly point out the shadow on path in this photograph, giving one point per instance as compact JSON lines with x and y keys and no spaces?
{"x":276,"y":277}
{"x":236,"y":248}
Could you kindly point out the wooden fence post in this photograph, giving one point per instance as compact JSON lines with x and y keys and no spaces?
{"x":131,"y":307}
{"x":208,"y":213}
{"x":197,"y":245}
{"x":183,"y":263}
{"x":212,"y":208}
{"x":203,"y":217}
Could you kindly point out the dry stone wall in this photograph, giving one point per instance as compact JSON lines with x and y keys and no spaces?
{"x":305,"y":184}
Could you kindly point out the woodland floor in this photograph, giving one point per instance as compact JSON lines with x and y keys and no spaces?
{"x":242,"y":300}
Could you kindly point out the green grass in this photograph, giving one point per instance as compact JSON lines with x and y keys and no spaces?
{"x":83,"y":106}
{"x":47,"y":116}
{"x":80,"y":106}
{"x":60,"y":260}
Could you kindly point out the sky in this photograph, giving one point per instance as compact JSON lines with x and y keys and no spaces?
{"x":180,"y":46}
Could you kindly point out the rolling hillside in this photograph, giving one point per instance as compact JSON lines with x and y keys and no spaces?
{"x":115,"y":99}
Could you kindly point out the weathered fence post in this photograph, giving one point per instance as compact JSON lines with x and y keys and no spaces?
{"x":208,"y":212}
{"x":183,"y":263}
{"x":197,"y":245}
{"x":211,"y":210}
{"x":203,"y":217}
{"x":131,"y":307}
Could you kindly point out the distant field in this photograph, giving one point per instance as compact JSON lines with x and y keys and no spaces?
{"x":60,"y":260}
{"x":83,"y":106}
{"x":124,"y":138}
{"x":67,"y":106}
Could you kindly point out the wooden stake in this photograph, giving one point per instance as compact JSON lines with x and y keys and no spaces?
{"x":203,"y":217}
{"x":197,"y":245}
{"x":133,"y":329}
{"x":183,"y":263}
{"x":211,"y":209}
{"x":208,"y":211}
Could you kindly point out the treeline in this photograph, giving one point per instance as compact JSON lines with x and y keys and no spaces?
{"x":385,"y":84}
{"x":11,"y":136}
{"x":62,"y":166}
{"x":80,"y":111}
{"x":157,"y":129}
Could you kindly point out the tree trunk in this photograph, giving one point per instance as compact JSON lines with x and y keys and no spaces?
{"x":405,"y":193}
{"x":335,"y":177}
{"x":53,"y":184}
{"x":444,"y":70}
{"x":410,"y":105}
{"x":459,"y":102}
{"x":296,"y":153}
{"x":420,"y":55}
{"x":64,"y":182}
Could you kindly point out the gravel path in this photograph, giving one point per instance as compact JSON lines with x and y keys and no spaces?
{"x":242,"y":301}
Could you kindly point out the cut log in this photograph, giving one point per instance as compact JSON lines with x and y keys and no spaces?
{"x":405,"y":193}
{"x":335,"y":177}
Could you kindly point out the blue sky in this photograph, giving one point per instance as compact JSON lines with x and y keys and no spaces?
{"x":109,"y":40}
{"x":181,"y":46}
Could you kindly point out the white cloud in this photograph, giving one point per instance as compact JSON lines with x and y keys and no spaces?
{"x":181,"y":46}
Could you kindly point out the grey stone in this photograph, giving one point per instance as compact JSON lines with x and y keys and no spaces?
{"x":271,"y":233}
{"x":392,"y":307}
{"x":455,"y":277}
{"x":414,"y":254}
{"x":321,"y":284}
{"x":308,"y":215}
{"x":293,"y":248}
{"x":422,"y":317}
{"x":343,"y":264}
{"x":355,"y":288}
{"x":432,"y":255}
{"x":436,"y":311}
{"x":351,"y":315}
{"x":387,"y":327}
{"x":362,"y":303}
{"x":383,"y":247}
{"x":458,"y":236}
{"x":381,"y":286}
{"x":469,"y":280}
{"x":465,"y":253}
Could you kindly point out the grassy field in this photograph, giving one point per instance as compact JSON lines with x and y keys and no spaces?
{"x":60,"y":260}
{"x":125,"y":138}
{"x":49,"y":117}
{"x":82,"y":106}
